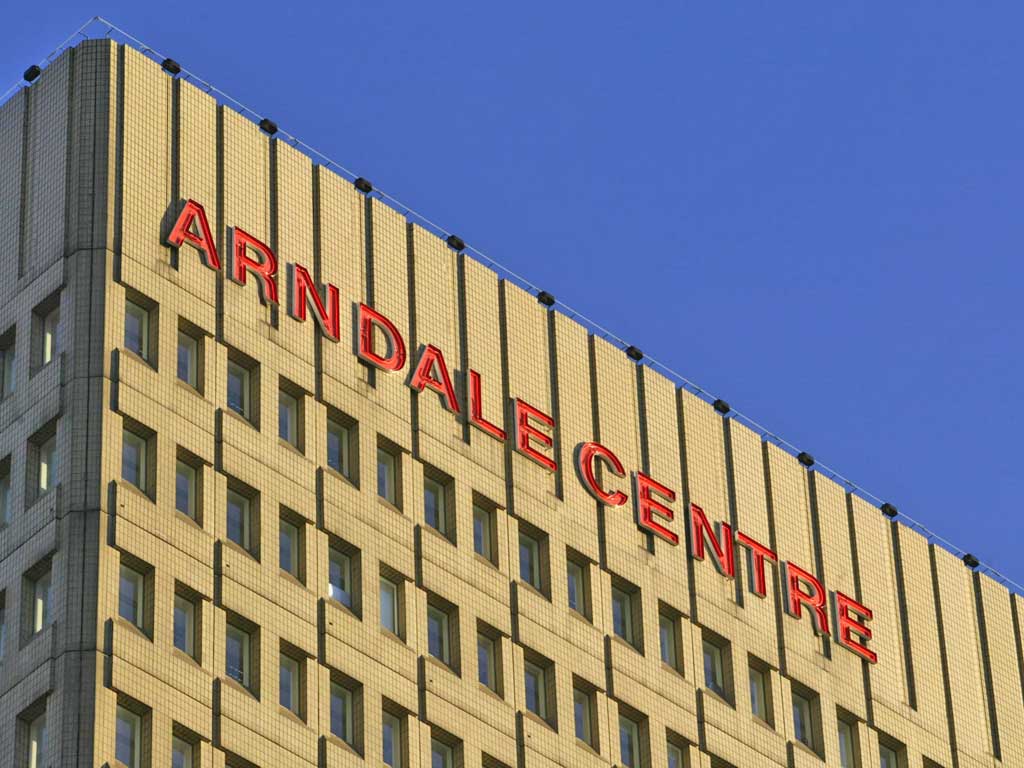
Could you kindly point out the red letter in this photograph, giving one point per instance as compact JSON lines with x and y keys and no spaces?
{"x":368,"y":319}
{"x":645,"y":489}
{"x":794,"y":596}
{"x":720,"y":541}
{"x":757,"y":553}
{"x":423,"y":376}
{"x":851,"y":619}
{"x":523,"y":432}
{"x":239,"y":263}
{"x":182,"y":232}
{"x":586,"y":453}
{"x":302,"y":290}
{"x":476,"y":409}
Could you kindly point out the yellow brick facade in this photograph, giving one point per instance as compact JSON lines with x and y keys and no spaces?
{"x":95,"y":159}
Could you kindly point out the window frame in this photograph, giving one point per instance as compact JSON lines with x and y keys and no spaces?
{"x":387,"y":485}
{"x":443,"y":622}
{"x":389,"y":586}
{"x":485,"y":517}
{"x":41,"y":609}
{"x":6,"y":514}
{"x":440,"y":489}
{"x":447,"y":753}
{"x":669,"y":626}
{"x":288,"y":405}
{"x":191,"y":474}
{"x":581,"y":696}
{"x":47,"y":465}
{"x":803,"y":731}
{"x":345,"y":568}
{"x":760,"y":692}
{"x":343,"y":434}
{"x":531,"y":545}
{"x":50,"y":336}
{"x":578,"y":572}
{"x":539,"y":674}
{"x":293,"y":667}
{"x":622,"y":602}
{"x":8,"y":362}
{"x":487,"y":651}
{"x":344,"y":694}
{"x":714,"y":676}
{"x":629,"y":726}
{"x":141,"y":314}
{"x":187,"y":608}
{"x":137,"y":580}
{"x":394,"y":722}
{"x":37,"y":741}
{"x":134,"y":721}
{"x":244,"y":375}
{"x":245,"y":651}
{"x":293,"y":531}
{"x":245,"y":510}
{"x":848,"y":751}
{"x":673,"y":748}
{"x":141,"y":443}
{"x":191,"y":344}
{"x":186,"y":748}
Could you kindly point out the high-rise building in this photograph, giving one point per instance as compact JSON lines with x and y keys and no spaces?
{"x":287,"y":480}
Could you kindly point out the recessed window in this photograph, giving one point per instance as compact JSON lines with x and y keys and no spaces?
{"x":288,"y":417}
{"x":50,"y":335}
{"x":629,"y":742}
{"x":185,"y":625}
{"x":131,"y":598}
{"x":676,"y":755}
{"x":536,"y":690}
{"x":583,"y":717}
{"x":136,"y":329}
{"x":341,"y":712}
{"x":188,"y":358}
{"x":239,"y":519}
{"x":714,"y":668}
{"x":847,"y":744}
{"x":392,"y":741}
{"x":46,"y":467}
{"x":439,"y":634}
{"x":441,"y":755}
{"x":625,"y":607}
{"x":238,"y":655}
{"x":668,"y":638}
{"x":760,"y":700}
{"x":186,"y":489}
{"x":134,"y":449}
{"x":8,"y":367}
{"x":290,"y":694}
{"x":389,"y":605}
{"x":339,"y":448}
{"x":38,"y":756}
{"x":39,"y":592}
{"x":435,"y":504}
{"x":3,"y":622}
{"x":181,"y":753}
{"x":483,"y":532}
{"x":290,"y":547}
{"x":128,"y":738}
{"x":387,"y":475}
{"x":339,"y":577}
{"x":578,"y":586}
{"x":487,"y":660}
{"x":240,"y":389}
{"x":5,"y":490}
{"x":889,"y":755}
{"x":529,"y":560}
{"x":803,"y":720}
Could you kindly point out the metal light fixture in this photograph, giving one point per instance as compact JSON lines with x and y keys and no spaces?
{"x":970,"y":560}
{"x":889,"y":510}
{"x":456,"y":242}
{"x":805,"y":458}
{"x":721,"y":406}
{"x":634,"y":353}
{"x":32,"y":73}
{"x":171,"y":67}
{"x":545,"y":298}
{"x":363,"y":185}
{"x":268,"y":125}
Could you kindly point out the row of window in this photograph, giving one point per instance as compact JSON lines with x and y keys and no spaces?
{"x":45,"y":343}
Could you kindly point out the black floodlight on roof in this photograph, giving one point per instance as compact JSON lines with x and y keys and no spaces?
{"x":32,"y":73}
{"x":805,"y":458}
{"x":545,"y":298}
{"x":363,"y":185}
{"x":970,"y":560}
{"x":268,"y":125}
{"x":171,"y":67}
{"x":456,"y":242}
{"x":889,"y":510}
{"x":634,"y":353}
{"x":721,"y":406}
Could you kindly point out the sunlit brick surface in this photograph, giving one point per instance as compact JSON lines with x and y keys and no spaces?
{"x":95,"y":158}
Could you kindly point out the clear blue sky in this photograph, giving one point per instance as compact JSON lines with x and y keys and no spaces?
{"x":811,"y":209}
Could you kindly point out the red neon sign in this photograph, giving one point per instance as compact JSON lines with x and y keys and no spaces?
{"x":529,"y":431}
